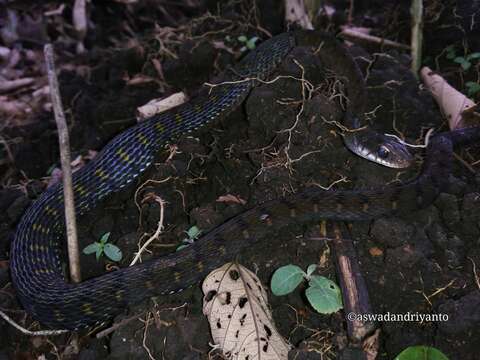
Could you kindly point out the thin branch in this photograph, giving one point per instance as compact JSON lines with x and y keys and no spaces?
{"x":71,"y":224}
{"x":28,"y":332}
{"x":416,"y":11}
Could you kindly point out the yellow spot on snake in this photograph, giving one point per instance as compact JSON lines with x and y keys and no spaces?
{"x":123,"y":155}
{"x":81,"y":190}
{"x":323,"y":228}
{"x":245,"y":233}
{"x":119,"y":294}
{"x":159,"y":126}
{"x":58,"y":315}
{"x":222,"y":250}
{"x":142,"y":138}
{"x":101,"y":174}
{"x":198,"y":108}
{"x":394,"y":205}
{"x":87,"y":309}
{"x":178,"y":118}
{"x":200,"y":266}
{"x":177,"y":276}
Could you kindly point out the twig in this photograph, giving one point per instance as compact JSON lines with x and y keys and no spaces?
{"x":71,"y":224}
{"x":28,"y":332}
{"x":354,"y":289}
{"x":157,"y":232}
{"x":416,"y":11}
{"x":477,"y":277}
{"x":352,"y":35}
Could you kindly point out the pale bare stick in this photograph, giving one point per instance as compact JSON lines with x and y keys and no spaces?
{"x":416,"y":11}
{"x":64,"y":143}
{"x":28,"y":332}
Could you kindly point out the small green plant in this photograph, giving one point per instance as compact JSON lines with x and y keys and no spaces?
{"x":248,"y":44}
{"x":465,"y":61}
{"x":104,"y":247}
{"x":323,"y":294}
{"x":192,"y":234}
{"x":472,"y":88}
{"x":421,"y":353}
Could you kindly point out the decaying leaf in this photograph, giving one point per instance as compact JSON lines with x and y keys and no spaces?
{"x":235,"y":304}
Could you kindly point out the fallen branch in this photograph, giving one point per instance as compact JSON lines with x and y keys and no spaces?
{"x":416,"y":11}
{"x":354,"y":35}
{"x":28,"y":332}
{"x":64,"y":143}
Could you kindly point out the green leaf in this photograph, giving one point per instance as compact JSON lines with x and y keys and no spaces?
{"x":286,"y":279}
{"x":475,"y":55}
{"x":324,"y":295}
{"x":472,"y":87}
{"x":194,"y":232}
{"x":251,"y":43}
{"x":183,"y":246}
{"x":90,"y":249}
{"x":310,"y":269}
{"x":450,"y":52}
{"x":104,"y":238}
{"x":421,"y":353}
{"x":242,"y":38}
{"x":99,"y":252}
{"x":463,"y":62}
{"x":113,"y":252}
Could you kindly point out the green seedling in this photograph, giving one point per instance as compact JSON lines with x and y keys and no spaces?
{"x":421,"y":353}
{"x":465,"y":61}
{"x":111,"y":251}
{"x":472,"y":88}
{"x":192,"y":234}
{"x":323,"y":294}
{"x":249,"y":44}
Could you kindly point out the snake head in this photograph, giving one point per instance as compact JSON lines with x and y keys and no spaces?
{"x":379,"y":148}
{"x":392,"y":153}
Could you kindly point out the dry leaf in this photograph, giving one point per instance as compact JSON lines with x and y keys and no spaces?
{"x":235,"y":304}
{"x":375,"y":251}
{"x":229,"y":198}
{"x":453,"y":104}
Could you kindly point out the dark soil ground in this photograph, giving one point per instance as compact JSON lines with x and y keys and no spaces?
{"x":422,"y":262}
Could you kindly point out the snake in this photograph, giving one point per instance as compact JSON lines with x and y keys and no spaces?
{"x":36,"y":250}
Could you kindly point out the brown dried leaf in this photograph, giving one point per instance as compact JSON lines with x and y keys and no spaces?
{"x":235,"y":304}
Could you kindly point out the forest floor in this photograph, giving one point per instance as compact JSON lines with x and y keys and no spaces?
{"x":425,"y":262}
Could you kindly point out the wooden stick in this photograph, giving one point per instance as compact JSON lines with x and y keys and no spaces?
{"x":354,"y":290}
{"x":353,"y":35}
{"x":64,"y":143}
{"x":416,"y":11}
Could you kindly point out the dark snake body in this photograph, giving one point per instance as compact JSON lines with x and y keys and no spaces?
{"x":35,"y":258}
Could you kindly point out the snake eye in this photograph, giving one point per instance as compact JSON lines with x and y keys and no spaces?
{"x":383,"y":152}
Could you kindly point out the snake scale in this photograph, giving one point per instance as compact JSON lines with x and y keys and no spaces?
{"x":36,"y":266}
